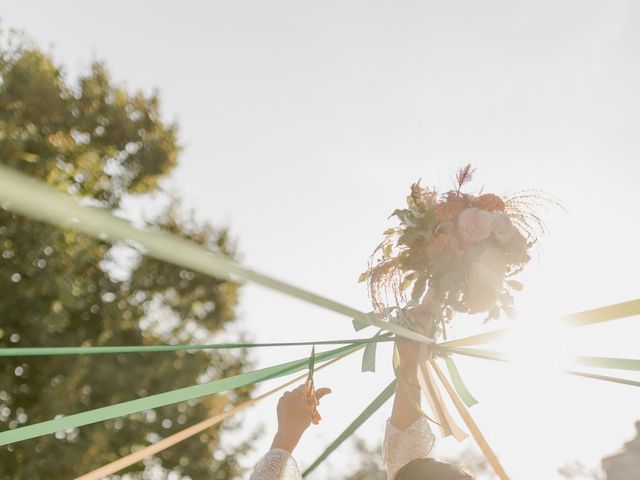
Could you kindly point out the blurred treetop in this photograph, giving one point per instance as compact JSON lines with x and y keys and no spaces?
{"x":94,"y":139}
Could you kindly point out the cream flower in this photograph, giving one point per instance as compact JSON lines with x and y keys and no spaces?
{"x":502,"y":227}
{"x":485,"y":280}
{"x":474,"y":224}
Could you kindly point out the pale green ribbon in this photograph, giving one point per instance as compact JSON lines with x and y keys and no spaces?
{"x":373,"y":407}
{"x":600,"y":362}
{"x":167,"y":398}
{"x":36,"y":199}
{"x":119,"y":349}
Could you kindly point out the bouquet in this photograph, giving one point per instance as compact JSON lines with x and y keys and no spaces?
{"x":453,"y":252}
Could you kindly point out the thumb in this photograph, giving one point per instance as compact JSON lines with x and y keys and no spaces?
{"x":321,"y":392}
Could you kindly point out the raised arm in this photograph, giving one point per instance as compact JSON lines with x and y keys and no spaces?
{"x":408,"y":435}
{"x":407,"y":396}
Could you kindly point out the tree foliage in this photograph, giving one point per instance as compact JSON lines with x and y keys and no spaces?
{"x":94,"y":139}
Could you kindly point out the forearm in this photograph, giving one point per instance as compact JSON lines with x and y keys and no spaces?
{"x":406,"y":401}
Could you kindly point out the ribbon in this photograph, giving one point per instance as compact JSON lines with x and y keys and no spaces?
{"x":579,"y":319}
{"x":604,"y":314}
{"x":610,"y":362}
{"x":605,"y":378}
{"x":162,"y":399}
{"x":40,"y":201}
{"x":45,"y":351}
{"x":471,"y":425}
{"x":458,"y":384}
{"x":373,"y":407}
{"x":448,"y":426}
{"x":480,"y":339}
{"x":178,"y":437}
{"x":620,"y":363}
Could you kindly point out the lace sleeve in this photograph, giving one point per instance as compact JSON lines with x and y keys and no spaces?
{"x":402,"y":446}
{"x":277,"y":464}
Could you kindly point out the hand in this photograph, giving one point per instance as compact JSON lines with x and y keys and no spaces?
{"x":295,"y":414}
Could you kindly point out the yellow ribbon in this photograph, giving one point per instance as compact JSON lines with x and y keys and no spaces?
{"x":430,"y":390}
{"x":471,"y":425}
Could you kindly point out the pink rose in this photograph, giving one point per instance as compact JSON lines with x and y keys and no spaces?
{"x":474,"y":224}
{"x":502,"y":227}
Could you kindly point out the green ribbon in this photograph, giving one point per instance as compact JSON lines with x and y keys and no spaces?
{"x":369,"y":355}
{"x":458,"y":384}
{"x":614,"y":363}
{"x":46,"y":351}
{"x":605,"y":378}
{"x":610,"y":362}
{"x":34,"y":198}
{"x":167,"y":398}
{"x":369,"y":358}
{"x":373,"y":407}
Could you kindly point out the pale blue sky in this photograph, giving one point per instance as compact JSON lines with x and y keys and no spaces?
{"x":304,"y":123}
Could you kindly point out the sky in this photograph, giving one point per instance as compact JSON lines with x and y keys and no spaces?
{"x":303,"y":125}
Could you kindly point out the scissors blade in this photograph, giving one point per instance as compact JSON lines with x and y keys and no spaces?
{"x":312,"y":364}
{"x":311,"y":389}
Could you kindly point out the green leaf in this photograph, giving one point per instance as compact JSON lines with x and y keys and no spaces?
{"x":363,"y":276}
{"x":406,"y":282}
{"x":405,"y":216}
{"x":386,"y":250}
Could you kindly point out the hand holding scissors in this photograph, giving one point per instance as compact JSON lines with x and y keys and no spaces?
{"x":297,"y":409}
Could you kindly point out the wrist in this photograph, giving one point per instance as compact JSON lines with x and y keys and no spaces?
{"x":286,"y":441}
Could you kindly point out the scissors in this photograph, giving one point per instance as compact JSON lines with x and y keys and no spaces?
{"x":310,"y":387}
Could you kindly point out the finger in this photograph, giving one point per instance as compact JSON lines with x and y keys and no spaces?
{"x":321,"y":392}
{"x":315,"y":419}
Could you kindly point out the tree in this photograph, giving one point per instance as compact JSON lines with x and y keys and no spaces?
{"x":368,"y":462}
{"x":93,"y":139}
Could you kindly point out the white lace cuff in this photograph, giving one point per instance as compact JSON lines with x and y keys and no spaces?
{"x":402,"y":446}
{"x":277,"y":464}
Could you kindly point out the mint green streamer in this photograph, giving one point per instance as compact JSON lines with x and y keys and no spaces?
{"x":373,"y":407}
{"x":605,"y":378}
{"x":34,"y":198}
{"x":167,"y":398}
{"x":610,"y":362}
{"x":458,"y":383}
{"x":501,"y":357}
{"x":369,"y":358}
{"x":46,"y":351}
